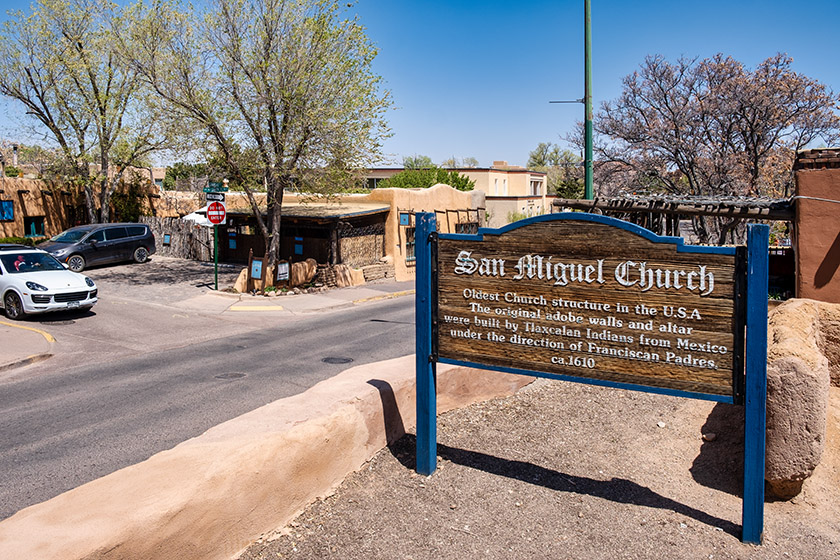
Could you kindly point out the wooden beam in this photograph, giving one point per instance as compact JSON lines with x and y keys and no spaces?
{"x":769,"y":210}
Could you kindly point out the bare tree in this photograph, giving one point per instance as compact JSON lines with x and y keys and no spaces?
{"x":282,"y":90}
{"x":712,"y":128}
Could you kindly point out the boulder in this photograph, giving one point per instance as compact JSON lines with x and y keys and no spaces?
{"x":829,"y":341}
{"x":797,"y":405}
{"x":241,"y":284}
{"x":303,"y":272}
{"x":346,"y":276}
{"x":797,"y":396}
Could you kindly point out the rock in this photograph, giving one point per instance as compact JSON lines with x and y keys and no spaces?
{"x":798,"y":382}
{"x":710,"y":436}
{"x":829,"y":341}
{"x":661,"y":424}
{"x":241,"y":284}
{"x":302,"y":272}
{"x":346,"y":276}
{"x":797,"y":401}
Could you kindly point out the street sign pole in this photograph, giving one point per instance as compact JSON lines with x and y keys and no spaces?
{"x":587,"y":96}
{"x":216,"y":213}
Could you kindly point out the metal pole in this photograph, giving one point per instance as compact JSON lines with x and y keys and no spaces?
{"x":587,"y":96}
{"x":216,"y":255}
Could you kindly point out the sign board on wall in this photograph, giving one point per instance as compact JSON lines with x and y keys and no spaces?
{"x":588,"y":299}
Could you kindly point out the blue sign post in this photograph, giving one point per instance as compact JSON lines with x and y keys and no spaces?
{"x":741,"y":305}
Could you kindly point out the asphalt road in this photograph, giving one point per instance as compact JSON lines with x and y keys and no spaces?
{"x":109,"y":399}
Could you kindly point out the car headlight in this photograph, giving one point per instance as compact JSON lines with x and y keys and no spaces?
{"x":35,"y":286}
{"x":59,"y":253}
{"x":89,"y":282}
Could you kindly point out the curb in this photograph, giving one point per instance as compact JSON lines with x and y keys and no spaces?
{"x":35,"y":358}
{"x":274,"y":460}
{"x":50,"y":338}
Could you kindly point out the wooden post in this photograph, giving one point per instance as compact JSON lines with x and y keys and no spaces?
{"x":755,"y":427}
{"x":425,"y":366}
{"x":249,"y":284}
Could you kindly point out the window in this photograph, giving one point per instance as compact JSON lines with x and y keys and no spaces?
{"x":115,"y":233}
{"x":33,"y":226}
{"x":409,"y":245}
{"x":536,"y":187}
{"x":7,"y":211}
{"x":495,"y":186}
{"x":136,"y":231}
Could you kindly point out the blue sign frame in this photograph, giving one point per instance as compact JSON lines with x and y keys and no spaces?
{"x":755,"y":359}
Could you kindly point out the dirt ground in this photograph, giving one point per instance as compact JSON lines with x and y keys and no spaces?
{"x":568,"y":471}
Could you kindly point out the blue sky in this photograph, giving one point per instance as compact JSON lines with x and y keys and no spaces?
{"x":474,"y":78}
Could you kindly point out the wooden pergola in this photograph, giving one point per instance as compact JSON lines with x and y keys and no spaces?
{"x":662,"y":214}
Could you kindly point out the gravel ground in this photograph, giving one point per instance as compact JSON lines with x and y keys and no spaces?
{"x":567,"y":471}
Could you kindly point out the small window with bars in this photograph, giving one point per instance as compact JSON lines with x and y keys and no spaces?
{"x":410,"y":255}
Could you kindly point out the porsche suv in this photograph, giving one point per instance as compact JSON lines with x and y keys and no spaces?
{"x":33,"y":281}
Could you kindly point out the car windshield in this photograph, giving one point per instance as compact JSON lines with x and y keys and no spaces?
{"x":15,"y":263}
{"x":70,"y":236}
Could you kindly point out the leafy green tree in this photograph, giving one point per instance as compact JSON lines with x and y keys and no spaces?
{"x":285,"y":88}
{"x":180,"y":171}
{"x":59,"y":62}
{"x":425,"y":178}
{"x":417,"y":162}
{"x":563,"y":170}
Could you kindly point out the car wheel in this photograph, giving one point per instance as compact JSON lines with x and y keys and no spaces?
{"x":141,"y":255}
{"x":76,"y":263}
{"x":13,"y":305}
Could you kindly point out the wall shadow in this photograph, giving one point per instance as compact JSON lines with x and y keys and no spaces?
{"x":403,"y":447}
{"x":720,"y":463}
{"x":394,"y":427}
{"x":828,"y":267}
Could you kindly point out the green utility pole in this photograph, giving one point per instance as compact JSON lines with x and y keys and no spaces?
{"x":587,"y":96}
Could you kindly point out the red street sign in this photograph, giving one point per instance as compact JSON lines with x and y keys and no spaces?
{"x":216,"y":213}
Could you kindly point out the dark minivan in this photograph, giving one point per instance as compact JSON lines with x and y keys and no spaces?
{"x":82,"y":246}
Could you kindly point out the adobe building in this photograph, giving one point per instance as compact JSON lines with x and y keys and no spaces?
{"x":32,"y":208}
{"x":817,"y":227}
{"x":511,"y":190}
{"x":373,"y":232}
{"x":508,"y":189}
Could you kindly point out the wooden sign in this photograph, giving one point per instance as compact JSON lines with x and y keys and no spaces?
{"x":592,"y":299}
{"x":584,"y":298}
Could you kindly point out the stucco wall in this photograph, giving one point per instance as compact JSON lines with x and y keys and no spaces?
{"x":32,"y":198}
{"x":817,"y":228}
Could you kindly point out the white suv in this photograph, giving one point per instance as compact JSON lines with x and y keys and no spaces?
{"x":33,"y":281}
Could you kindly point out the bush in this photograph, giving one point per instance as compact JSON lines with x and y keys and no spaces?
{"x":12,"y":171}
{"x":31,"y":241}
{"x":425,"y":178}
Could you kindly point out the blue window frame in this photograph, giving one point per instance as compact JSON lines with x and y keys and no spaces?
{"x":7,"y":211}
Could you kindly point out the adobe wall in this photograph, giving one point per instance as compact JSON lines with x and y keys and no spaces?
{"x":33,"y":198}
{"x":438,"y":197}
{"x":817,"y":227}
